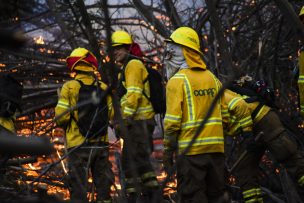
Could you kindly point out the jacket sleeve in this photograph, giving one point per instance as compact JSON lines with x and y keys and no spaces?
{"x":173,"y":117}
{"x":62,"y":106}
{"x":238,"y":112}
{"x":134,"y":85}
{"x":104,"y":87}
{"x":301,"y":82}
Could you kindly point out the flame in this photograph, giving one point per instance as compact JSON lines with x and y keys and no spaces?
{"x":39,"y":40}
{"x":170,"y":186}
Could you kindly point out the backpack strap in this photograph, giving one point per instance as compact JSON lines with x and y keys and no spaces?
{"x":251,"y":99}
{"x":144,"y":81}
{"x":72,"y":112}
{"x":256,"y":110}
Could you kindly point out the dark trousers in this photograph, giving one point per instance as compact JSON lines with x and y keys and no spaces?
{"x":96,"y":160}
{"x":200,"y":178}
{"x":282,"y":148}
{"x":139,"y":173}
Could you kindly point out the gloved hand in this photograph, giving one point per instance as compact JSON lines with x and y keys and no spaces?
{"x":168,"y":161}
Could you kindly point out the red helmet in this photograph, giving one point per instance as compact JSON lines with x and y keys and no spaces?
{"x":81,"y":55}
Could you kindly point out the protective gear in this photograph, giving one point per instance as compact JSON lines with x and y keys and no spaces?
{"x":200,"y":178}
{"x":135,"y":50}
{"x":68,"y":99}
{"x":8,"y":123}
{"x":134,"y":104}
{"x":301,"y":82}
{"x":184,"y":115}
{"x":187,"y":37}
{"x":174,"y":59}
{"x":281,"y":146}
{"x":136,"y":158}
{"x":253,"y":195}
{"x":301,"y":181}
{"x":261,"y":113}
{"x":94,"y":157}
{"x":301,"y":12}
{"x":168,"y":161}
{"x":82,"y":55}
{"x":236,"y":113}
{"x":193,"y":60}
{"x":121,"y":37}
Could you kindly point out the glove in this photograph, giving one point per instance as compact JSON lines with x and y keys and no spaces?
{"x":168,"y":161}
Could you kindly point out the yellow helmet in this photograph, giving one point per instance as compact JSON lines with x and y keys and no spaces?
{"x":302,"y":11}
{"x":187,"y":37}
{"x":121,"y":37}
{"x":82,"y":55}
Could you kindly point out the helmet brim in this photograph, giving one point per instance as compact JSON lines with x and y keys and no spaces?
{"x":169,"y":40}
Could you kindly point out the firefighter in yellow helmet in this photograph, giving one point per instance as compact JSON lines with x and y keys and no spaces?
{"x":275,"y":138}
{"x":85,"y":153}
{"x":189,"y":93}
{"x":301,"y":70}
{"x":138,"y":115}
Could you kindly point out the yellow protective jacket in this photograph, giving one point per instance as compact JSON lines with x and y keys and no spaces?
{"x":301,"y":81}
{"x":8,"y":123}
{"x":189,"y":94}
{"x":67,"y":99}
{"x":232,"y":126}
{"x":134,"y":104}
{"x":236,"y":113}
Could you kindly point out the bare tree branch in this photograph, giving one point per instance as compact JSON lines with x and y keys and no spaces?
{"x":146,"y":12}
{"x":173,"y":15}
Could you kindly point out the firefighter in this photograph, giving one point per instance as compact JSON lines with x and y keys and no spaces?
{"x":94,"y":153}
{"x":138,"y":115}
{"x":10,"y":99}
{"x":301,"y":70}
{"x":275,"y":138}
{"x":189,"y":93}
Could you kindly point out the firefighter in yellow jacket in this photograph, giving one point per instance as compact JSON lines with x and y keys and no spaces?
{"x":138,"y":115}
{"x":275,"y":138}
{"x":93,"y":152}
{"x":10,"y":99}
{"x":301,"y":70}
{"x":189,"y":93}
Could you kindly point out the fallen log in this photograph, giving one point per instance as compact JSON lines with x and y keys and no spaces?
{"x":12,"y":144}
{"x":21,"y":161}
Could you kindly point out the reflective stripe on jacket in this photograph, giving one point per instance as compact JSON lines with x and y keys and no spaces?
{"x":301,"y":82}
{"x":236,"y":113}
{"x":261,"y":113}
{"x":8,"y":123}
{"x":134,"y":104}
{"x":68,"y":99}
{"x":232,"y":125}
{"x":189,"y":94}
